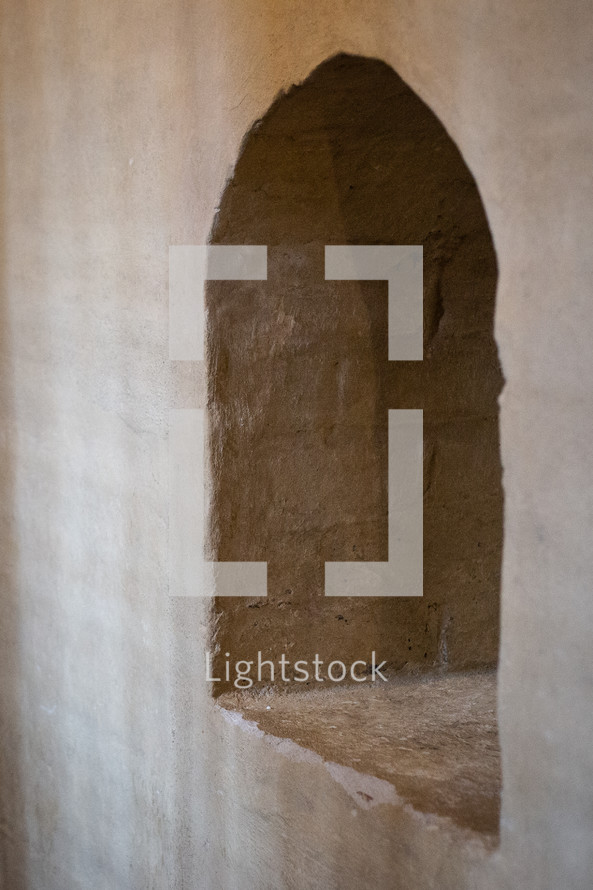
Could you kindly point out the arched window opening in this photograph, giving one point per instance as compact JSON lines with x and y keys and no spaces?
{"x":299,"y":390}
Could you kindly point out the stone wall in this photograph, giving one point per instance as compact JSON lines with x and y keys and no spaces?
{"x":300,"y":384}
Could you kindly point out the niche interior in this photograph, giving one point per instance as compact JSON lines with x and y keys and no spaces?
{"x":300,"y":383}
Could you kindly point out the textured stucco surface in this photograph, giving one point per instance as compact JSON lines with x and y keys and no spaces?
{"x":120,"y":126}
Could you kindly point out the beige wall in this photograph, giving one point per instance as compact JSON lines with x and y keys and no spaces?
{"x":121,"y":122}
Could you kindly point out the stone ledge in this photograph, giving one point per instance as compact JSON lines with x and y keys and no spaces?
{"x":433,"y":739}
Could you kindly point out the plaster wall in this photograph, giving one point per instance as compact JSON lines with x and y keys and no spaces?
{"x":120,"y":126}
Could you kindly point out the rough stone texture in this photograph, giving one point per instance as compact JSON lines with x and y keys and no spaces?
{"x":117,"y":771}
{"x":434,"y":739}
{"x":300,"y":383}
